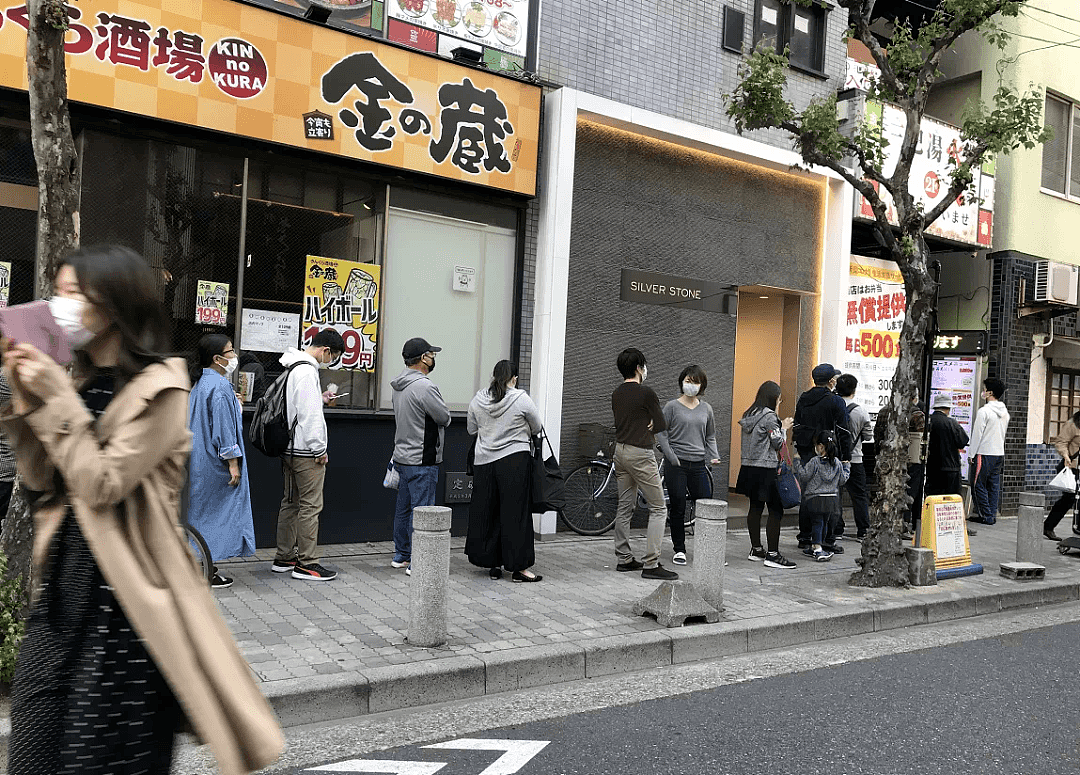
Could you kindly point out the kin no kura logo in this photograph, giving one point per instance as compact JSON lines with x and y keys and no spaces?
{"x":236,"y":66}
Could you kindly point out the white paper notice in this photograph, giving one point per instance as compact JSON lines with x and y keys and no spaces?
{"x":768,"y":15}
{"x":951,"y":530}
{"x":802,"y":24}
{"x":269,"y":332}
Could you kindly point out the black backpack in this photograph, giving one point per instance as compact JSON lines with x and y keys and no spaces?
{"x":271,"y":432}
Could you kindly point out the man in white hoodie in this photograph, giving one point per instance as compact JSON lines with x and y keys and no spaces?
{"x":304,"y":462}
{"x":987,"y":452}
{"x":420,"y":419}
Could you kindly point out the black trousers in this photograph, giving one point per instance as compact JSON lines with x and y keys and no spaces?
{"x":942,"y":482}
{"x":500,"y":522}
{"x":6,"y":489}
{"x":860,"y":499}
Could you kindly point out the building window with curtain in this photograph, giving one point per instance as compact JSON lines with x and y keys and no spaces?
{"x":1060,"y":162}
{"x":1063,"y":401}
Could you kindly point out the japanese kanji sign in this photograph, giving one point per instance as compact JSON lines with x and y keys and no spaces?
{"x":5,"y":283}
{"x":967,"y":221}
{"x":212,"y":303}
{"x":248,"y":71}
{"x":344,"y":296}
{"x":875,"y":314}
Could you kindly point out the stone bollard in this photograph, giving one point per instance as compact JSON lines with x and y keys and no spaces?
{"x":922,"y":570}
{"x":428,"y":585}
{"x":1029,"y":531}
{"x":710,"y":544}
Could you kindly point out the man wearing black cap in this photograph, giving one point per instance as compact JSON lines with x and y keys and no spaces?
{"x":420,"y":417}
{"x":820,"y":409}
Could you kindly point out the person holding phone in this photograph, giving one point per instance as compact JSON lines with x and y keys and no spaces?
{"x":220,"y":501}
{"x":124,"y":639}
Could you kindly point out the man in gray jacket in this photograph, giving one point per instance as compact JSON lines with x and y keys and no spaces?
{"x":420,"y":419}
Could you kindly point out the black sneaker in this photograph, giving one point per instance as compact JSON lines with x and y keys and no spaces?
{"x":834,"y":549}
{"x":659,"y":572}
{"x":777,"y":560}
{"x":623,"y":567}
{"x":757,"y":554}
{"x":313,"y":572}
{"x":860,"y":537}
{"x":220,"y":582}
{"x":805,"y":544}
{"x":283,"y":566}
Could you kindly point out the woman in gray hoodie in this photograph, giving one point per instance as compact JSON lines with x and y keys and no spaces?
{"x":504,"y":420}
{"x":762,"y":436}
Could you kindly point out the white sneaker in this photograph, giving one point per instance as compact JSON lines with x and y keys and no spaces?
{"x":396,"y":564}
{"x":679,"y":558}
{"x":408,"y":570}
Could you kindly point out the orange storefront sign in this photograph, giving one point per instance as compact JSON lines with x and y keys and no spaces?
{"x":247,"y":71}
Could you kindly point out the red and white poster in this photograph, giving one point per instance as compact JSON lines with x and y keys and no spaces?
{"x":874,"y":316}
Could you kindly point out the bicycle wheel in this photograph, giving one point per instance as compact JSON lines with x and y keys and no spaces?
{"x":591,"y":499}
{"x":200,"y":553}
{"x":688,"y":521}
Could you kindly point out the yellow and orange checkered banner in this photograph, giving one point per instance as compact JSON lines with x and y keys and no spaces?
{"x":235,"y":68}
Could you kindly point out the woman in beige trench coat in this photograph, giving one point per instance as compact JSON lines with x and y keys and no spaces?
{"x":125,"y":640}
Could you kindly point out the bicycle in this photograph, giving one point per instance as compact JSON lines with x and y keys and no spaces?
{"x":592,"y":496}
{"x":200,"y":553}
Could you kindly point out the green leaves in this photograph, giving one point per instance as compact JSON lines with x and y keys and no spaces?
{"x":758,"y":101}
{"x":12,"y":628}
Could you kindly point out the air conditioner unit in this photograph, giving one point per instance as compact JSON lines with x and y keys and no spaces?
{"x":1056,"y":283}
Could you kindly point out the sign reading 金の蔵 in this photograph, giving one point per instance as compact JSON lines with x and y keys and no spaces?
{"x":343,"y":295}
{"x":212,"y":303}
{"x":248,"y":71}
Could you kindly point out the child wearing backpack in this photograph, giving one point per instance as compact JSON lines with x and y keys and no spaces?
{"x":821,"y":479}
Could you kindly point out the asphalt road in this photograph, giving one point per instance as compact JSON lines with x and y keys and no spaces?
{"x":1002,"y":704}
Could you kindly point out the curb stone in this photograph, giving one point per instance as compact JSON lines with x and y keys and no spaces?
{"x":329,"y":698}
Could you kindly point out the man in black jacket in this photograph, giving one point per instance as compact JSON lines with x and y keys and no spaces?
{"x":947,"y":438}
{"x":820,"y":409}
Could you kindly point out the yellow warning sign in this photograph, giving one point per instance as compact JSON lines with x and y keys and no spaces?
{"x":944,"y":529}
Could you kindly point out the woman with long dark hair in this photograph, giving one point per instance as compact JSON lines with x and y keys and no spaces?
{"x":125,"y":639}
{"x":504,"y":420}
{"x":762,"y":436}
{"x":220,"y":503}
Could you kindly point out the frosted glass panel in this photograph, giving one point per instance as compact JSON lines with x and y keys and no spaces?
{"x":473,"y":327}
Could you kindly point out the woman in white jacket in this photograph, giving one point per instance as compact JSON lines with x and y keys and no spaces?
{"x":503,"y":419}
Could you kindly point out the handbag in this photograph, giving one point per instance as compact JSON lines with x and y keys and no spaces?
{"x":787,"y":484}
{"x":470,"y":456}
{"x":547,"y":491}
{"x":1065,"y":480}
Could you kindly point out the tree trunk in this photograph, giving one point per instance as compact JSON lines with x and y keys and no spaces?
{"x":58,"y":206}
{"x":883,"y":562}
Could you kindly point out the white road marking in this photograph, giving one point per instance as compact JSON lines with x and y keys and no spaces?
{"x":381,"y":765}
{"x":518,"y":752}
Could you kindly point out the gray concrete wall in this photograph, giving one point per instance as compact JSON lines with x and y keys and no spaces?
{"x":667,"y":57}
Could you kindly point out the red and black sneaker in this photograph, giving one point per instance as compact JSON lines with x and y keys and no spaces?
{"x":283,"y":566}
{"x":313,"y":572}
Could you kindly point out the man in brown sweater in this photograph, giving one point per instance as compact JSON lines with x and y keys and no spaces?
{"x":637,"y":417}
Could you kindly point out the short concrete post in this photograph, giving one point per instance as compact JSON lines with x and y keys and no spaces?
{"x":428,"y":593}
{"x":922,"y":570}
{"x":710,"y":545}
{"x":1029,"y":532}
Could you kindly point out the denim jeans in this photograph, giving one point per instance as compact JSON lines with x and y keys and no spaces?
{"x":986,"y":487}
{"x":689,"y":477}
{"x":416,"y":488}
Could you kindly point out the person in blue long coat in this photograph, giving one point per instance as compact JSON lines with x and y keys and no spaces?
{"x":220,"y":499}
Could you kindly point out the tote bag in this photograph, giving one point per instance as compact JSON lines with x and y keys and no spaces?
{"x":547,"y":479}
{"x":786,"y":482}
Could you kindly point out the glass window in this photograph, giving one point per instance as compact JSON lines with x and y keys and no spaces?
{"x":782,"y":24}
{"x":768,"y":24}
{"x":1055,"y":152}
{"x":18,"y":213}
{"x":1063,"y":400}
{"x":441,"y":269}
{"x":1074,"y":154}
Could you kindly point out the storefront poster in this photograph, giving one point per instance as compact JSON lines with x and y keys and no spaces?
{"x":497,"y":24}
{"x":967,"y":221}
{"x":343,"y":295}
{"x":248,"y":71}
{"x":5,"y":283}
{"x":956,"y":376}
{"x":876,"y":304}
{"x":950,"y":531}
{"x":212,"y":303}
{"x":267,"y":331}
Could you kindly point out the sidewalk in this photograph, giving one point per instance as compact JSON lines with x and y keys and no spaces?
{"x":333,"y":650}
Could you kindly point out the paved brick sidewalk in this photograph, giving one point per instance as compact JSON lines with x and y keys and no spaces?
{"x":289,"y":628}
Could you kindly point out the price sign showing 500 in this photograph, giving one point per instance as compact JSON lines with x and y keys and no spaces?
{"x":879,"y":344}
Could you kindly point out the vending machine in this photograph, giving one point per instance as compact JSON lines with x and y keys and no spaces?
{"x":958,"y":371}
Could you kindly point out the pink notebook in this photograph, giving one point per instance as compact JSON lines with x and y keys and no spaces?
{"x":33,"y":323}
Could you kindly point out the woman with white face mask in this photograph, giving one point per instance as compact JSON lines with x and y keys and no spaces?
{"x":220,"y":503}
{"x":689,"y":444}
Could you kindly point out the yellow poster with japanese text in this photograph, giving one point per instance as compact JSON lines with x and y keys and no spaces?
{"x":343,"y":295}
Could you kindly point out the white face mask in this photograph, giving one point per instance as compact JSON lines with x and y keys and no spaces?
{"x":230,"y":365}
{"x":644,"y":373}
{"x":691,"y":388}
{"x":68,"y":314}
